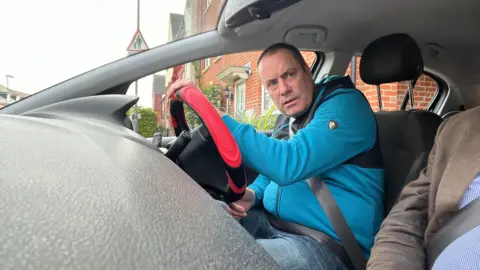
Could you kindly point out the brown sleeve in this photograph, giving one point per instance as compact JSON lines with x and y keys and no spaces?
{"x":400,"y":242}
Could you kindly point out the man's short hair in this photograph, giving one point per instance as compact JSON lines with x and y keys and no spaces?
{"x":284,"y":46}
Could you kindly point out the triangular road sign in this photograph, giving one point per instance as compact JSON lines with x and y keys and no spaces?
{"x":138,"y":43}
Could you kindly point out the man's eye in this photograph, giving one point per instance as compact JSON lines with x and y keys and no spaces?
{"x":272,"y":85}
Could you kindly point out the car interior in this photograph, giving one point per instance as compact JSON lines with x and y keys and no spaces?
{"x":90,"y":193}
{"x":393,"y":58}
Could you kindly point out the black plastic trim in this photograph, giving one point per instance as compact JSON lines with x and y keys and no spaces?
{"x":257,"y":10}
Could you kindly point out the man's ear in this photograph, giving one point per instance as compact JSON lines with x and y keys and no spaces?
{"x":307,"y":69}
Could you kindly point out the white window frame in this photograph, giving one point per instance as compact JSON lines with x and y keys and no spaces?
{"x":235,"y":99}
{"x":163,"y":104}
{"x":264,"y":110}
{"x":207,"y":64}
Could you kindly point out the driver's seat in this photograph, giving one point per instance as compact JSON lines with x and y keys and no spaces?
{"x":406,"y":137}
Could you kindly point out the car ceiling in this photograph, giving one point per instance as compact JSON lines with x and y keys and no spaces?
{"x":446,"y":31}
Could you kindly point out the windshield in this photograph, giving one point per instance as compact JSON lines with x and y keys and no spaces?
{"x":50,"y":41}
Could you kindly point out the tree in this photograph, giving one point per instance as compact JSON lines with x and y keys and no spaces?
{"x":214,"y":95}
{"x":147,"y":123}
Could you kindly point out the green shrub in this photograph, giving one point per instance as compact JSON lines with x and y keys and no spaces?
{"x":214,"y":95}
{"x":148,"y":122}
{"x":259,"y":122}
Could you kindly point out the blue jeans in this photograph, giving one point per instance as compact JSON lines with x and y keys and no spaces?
{"x":290,"y":251}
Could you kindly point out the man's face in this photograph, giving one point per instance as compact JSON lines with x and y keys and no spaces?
{"x":289,"y":84}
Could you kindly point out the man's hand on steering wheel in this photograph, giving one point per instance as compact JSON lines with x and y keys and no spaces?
{"x":179,"y":84}
{"x":239,"y":208}
{"x":186,"y":91}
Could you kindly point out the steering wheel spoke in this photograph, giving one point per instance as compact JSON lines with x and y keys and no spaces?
{"x":179,"y":145}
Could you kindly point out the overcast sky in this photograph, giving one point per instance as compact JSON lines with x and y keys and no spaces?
{"x":44,"y":42}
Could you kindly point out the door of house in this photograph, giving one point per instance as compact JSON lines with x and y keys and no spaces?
{"x":239,"y":97}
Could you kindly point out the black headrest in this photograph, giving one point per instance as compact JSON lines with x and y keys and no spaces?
{"x":391,"y":58}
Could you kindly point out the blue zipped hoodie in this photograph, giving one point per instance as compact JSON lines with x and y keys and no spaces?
{"x":316,"y":149}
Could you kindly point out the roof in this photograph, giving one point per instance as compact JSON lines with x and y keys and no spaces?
{"x":232,"y":73}
{"x":13,"y":92}
{"x":177,"y":25}
{"x":158,"y":86}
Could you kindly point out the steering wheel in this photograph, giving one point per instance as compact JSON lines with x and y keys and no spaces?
{"x":225,"y":158}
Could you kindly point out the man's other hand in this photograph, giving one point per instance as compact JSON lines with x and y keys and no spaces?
{"x":220,"y":112}
{"x":177,"y":85}
{"x":239,"y":208}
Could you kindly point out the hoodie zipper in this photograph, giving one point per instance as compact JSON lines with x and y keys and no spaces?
{"x":279,"y":191}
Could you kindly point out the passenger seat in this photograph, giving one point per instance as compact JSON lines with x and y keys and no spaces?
{"x":406,"y":137}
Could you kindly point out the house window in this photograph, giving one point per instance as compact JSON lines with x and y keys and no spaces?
{"x":207,"y":63}
{"x":267,"y":102}
{"x":163,"y":104}
{"x":188,"y":71}
{"x":239,"y":97}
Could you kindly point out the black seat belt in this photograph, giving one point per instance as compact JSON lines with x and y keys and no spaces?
{"x":350,"y":253}
{"x":338,"y":222}
{"x":340,"y":225}
{"x":463,"y":221}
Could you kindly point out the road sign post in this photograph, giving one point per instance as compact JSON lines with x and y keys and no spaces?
{"x":138,"y":44}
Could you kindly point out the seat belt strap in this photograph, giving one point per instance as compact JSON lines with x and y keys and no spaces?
{"x":331,"y":209}
{"x":463,"y":221}
{"x":340,"y":225}
{"x":332,"y":244}
{"x":338,"y":222}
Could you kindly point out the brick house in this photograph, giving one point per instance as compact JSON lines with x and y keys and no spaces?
{"x":8,"y":96}
{"x":158,"y":92}
{"x":237,"y":73}
{"x":176,"y":30}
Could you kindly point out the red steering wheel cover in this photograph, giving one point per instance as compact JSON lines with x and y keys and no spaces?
{"x":226,"y":144}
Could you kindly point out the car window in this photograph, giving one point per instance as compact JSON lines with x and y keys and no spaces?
{"x":230,"y":82}
{"x":53,"y":41}
{"x":393,"y":93}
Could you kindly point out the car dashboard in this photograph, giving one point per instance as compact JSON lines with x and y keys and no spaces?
{"x":81,"y":190}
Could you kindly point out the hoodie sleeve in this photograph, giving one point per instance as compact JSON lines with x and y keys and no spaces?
{"x":342,"y":127}
{"x":259,"y":186}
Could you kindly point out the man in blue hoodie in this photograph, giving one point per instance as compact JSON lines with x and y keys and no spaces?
{"x":334,"y":136}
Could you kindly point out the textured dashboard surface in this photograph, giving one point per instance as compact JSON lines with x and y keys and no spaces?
{"x":93,"y":195}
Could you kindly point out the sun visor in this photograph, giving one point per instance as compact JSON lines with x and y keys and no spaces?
{"x":241,"y":12}
{"x":306,"y":36}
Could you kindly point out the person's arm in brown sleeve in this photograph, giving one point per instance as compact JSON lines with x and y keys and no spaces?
{"x":400,"y":242}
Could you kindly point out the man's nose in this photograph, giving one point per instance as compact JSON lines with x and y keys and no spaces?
{"x":284,"y":87}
